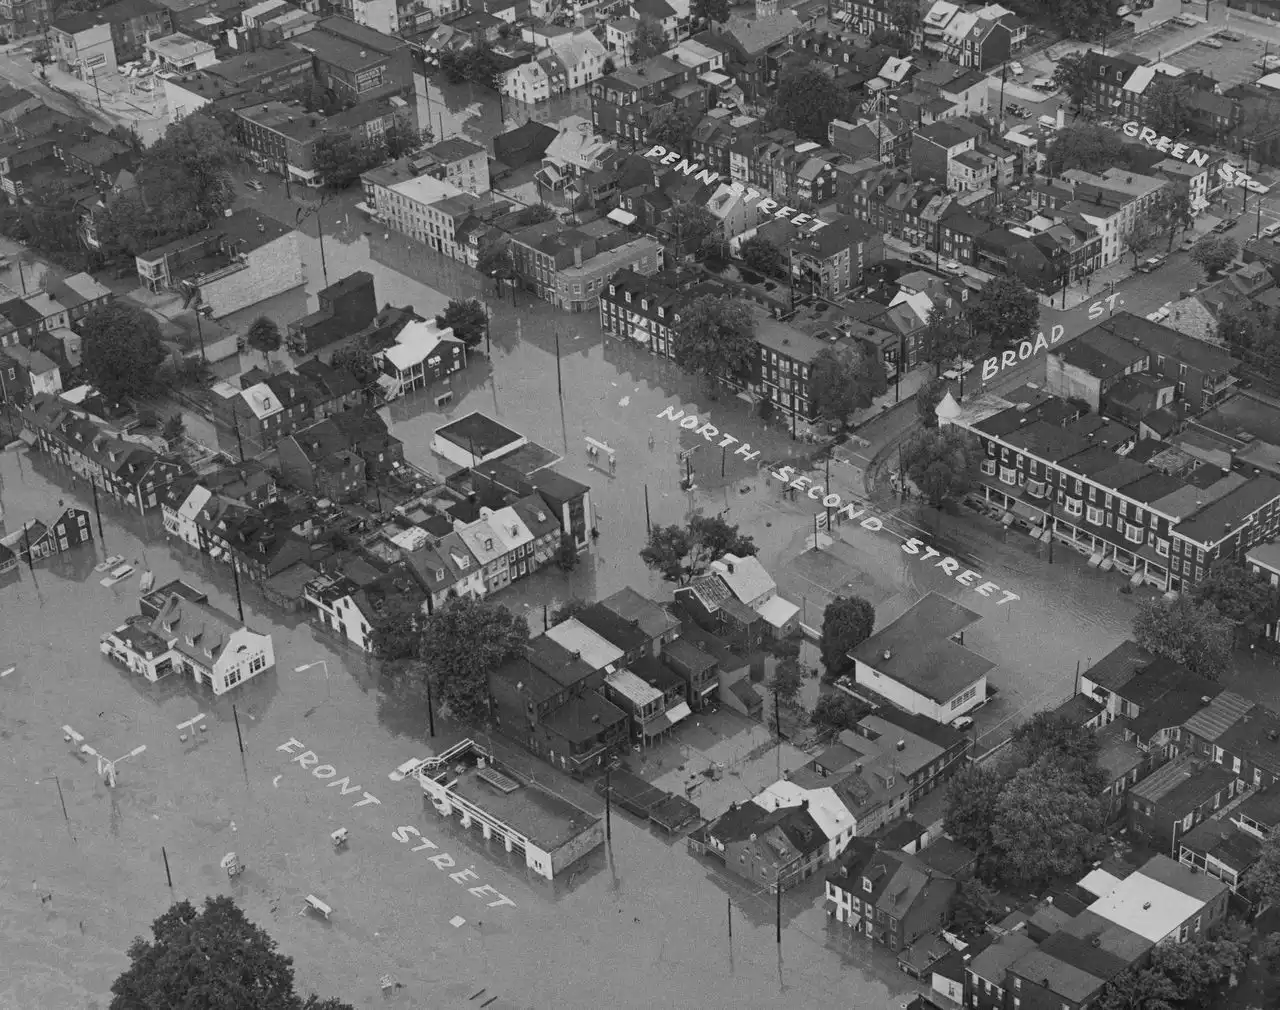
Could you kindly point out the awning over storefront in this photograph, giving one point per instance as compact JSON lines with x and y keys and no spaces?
{"x":681,"y":711}
{"x":713,"y":686}
{"x":659,"y":724}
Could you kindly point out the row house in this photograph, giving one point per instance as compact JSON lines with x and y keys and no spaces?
{"x":37,"y":540}
{"x":1042,"y":463}
{"x":757,"y":45}
{"x":642,"y":308}
{"x":892,"y":898}
{"x":569,"y":268}
{"x":129,"y":472}
{"x":622,"y":101}
{"x":715,"y":135}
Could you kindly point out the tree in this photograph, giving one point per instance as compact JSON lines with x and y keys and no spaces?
{"x":1239,"y":595}
{"x":494,"y":261}
{"x":1269,"y":953}
{"x":928,"y":396}
{"x":357,"y":359}
{"x":836,"y":712}
{"x":905,"y":16}
{"x":567,"y":556}
{"x":1173,"y":213}
{"x":1201,"y":966}
{"x":608,"y":67}
{"x":186,"y":174}
{"x":650,"y":41}
{"x":695,"y":228}
{"x":762,"y":256}
{"x":1069,"y":745}
{"x":972,"y":797}
{"x":121,"y":349}
{"x":787,"y":680}
{"x":807,"y":100}
{"x":1091,"y":148}
{"x":707,"y":11}
{"x":204,"y":960}
{"x":847,"y":622}
{"x":844,"y":379}
{"x":264,"y":335}
{"x":468,"y":319}
{"x":681,"y":553}
{"x":1071,"y":74}
{"x":1006,"y":310}
{"x":536,"y":213}
{"x":569,"y":608}
{"x":1082,"y":18}
{"x":716,"y":338}
{"x":1139,"y":989}
{"x":1142,"y":236}
{"x":174,"y":428}
{"x":402,"y":140}
{"x":943,"y":334}
{"x":461,"y":644}
{"x":938,"y":462}
{"x":1261,"y":881}
{"x":1166,"y":109}
{"x":397,"y":637}
{"x":1046,"y":824}
{"x":484,"y":66}
{"x":673,"y":127}
{"x":975,"y":904}
{"x":339,"y":160}
{"x":1187,"y":631}
{"x":1214,"y":253}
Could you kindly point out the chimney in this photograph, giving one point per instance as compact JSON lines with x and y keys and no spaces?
{"x":887,"y":655}
{"x":902,"y":745}
{"x":577,"y":255}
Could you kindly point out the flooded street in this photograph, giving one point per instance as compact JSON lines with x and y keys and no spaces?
{"x":639,"y":924}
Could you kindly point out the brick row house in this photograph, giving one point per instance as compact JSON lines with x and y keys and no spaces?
{"x":130,"y":472}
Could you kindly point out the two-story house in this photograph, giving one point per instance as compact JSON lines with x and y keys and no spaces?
{"x":891,"y":897}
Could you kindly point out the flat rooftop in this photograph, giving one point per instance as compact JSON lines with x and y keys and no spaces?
{"x":542,"y":817}
{"x":478,"y":434}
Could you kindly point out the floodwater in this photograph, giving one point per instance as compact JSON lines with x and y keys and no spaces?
{"x":640,"y":924}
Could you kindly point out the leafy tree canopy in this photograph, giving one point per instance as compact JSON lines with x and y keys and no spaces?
{"x":807,"y":100}
{"x":845,"y":379}
{"x":673,"y":127}
{"x":716,"y":337}
{"x":938,"y":462}
{"x":762,"y":256}
{"x":1071,"y":74}
{"x":847,"y":622}
{"x":468,"y":319}
{"x":461,"y":644}
{"x":1187,"y":631}
{"x":340,"y":159}
{"x":1214,"y":253}
{"x":1006,"y":311}
{"x":357,"y":359}
{"x":1088,"y":147}
{"x":1236,"y":593}
{"x":121,"y":350}
{"x":693,"y":226}
{"x":264,"y":335}
{"x":835,"y":712}
{"x":928,"y":396}
{"x":1165,"y":109}
{"x":650,"y":41}
{"x":971,"y":806}
{"x":680,"y":553}
{"x":1047,"y":824}
{"x":707,"y":11}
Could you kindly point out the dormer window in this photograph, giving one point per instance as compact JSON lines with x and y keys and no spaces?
{"x":866,"y":884}
{"x":488,"y":543}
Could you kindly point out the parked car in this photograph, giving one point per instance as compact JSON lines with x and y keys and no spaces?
{"x":254,"y":185}
{"x":1015,"y":68}
{"x":1271,"y":229}
{"x":950,"y":266}
{"x":1227,"y":36}
{"x":1149,"y":264}
{"x":920,"y":257}
{"x":1226,"y":224}
{"x":1159,"y":315}
{"x":962,"y":723}
{"x":1043,"y":84}
{"x":1211,"y":43}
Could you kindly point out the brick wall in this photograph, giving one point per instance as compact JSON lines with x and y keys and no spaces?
{"x":271,"y":270}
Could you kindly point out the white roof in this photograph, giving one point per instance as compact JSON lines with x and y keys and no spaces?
{"x":691,"y":52}
{"x":77,"y":395}
{"x":1271,"y":81}
{"x":940,"y":13}
{"x":959,"y":26}
{"x":622,"y":217}
{"x":947,"y":407}
{"x":777,"y":611}
{"x":426,"y":190}
{"x":632,"y":687}
{"x":1146,"y":907}
{"x":825,"y":806}
{"x":746,"y":577}
{"x":1099,"y":881}
{"x":571,"y":49}
{"x":575,"y":636}
{"x":483,"y":541}
{"x":895,"y":69}
{"x":258,"y":9}
{"x":919,"y":303}
{"x":196,"y":500}
{"x":1139,"y":79}
{"x":417,"y":342}
{"x":261,"y":400}
{"x":510,"y":528}
{"x":411,"y":539}
{"x":179,"y":46}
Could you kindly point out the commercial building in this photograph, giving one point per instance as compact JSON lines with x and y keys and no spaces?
{"x":193,"y":639}
{"x":1165,"y":902}
{"x":409,"y":203}
{"x":84,"y":46}
{"x":551,"y":832}
{"x":570,"y":267}
{"x":357,"y":63}
{"x":180,"y":54}
{"x":242,"y":260}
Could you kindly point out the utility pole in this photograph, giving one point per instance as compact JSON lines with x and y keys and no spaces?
{"x":608,"y":802}
{"x":648,"y":526}
{"x":559,"y":379}
{"x":102,"y":537}
{"x":235,"y":574}
{"x":431,"y":708}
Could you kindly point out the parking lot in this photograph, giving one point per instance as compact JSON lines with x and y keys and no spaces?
{"x":1231,"y":65}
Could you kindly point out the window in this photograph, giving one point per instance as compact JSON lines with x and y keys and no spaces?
{"x":1094,"y":516}
{"x":1073,"y":506}
{"x":1133,"y":533}
{"x":988,"y":467}
{"x":1162,"y":548}
{"x":1036,"y":488}
{"x":1008,"y":475}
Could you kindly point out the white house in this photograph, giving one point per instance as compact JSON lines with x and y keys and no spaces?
{"x":423,"y":353}
{"x":1112,"y":202}
{"x":577,"y":149}
{"x":919,"y":664}
{"x":181,"y":53}
{"x":336,"y":609}
{"x":180,"y":521}
{"x":824,"y":805}
{"x":195,"y":639}
{"x":43,"y":374}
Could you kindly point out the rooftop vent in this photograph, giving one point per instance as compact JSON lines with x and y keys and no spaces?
{"x":1146,"y":905}
{"x":887,"y":654}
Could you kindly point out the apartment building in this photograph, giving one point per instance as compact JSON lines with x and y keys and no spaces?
{"x":570,"y":267}
{"x":282,"y":138}
{"x":1111,"y":203}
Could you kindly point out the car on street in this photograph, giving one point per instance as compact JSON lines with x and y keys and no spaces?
{"x":1226,"y":224}
{"x":1043,"y":84}
{"x":254,"y":185}
{"x":1271,"y":229}
{"x":1159,"y":315}
{"x":950,"y":266}
{"x":1015,"y":68}
{"x":1211,"y":43}
{"x":1149,"y":264}
{"x":1227,"y":36}
{"x":920,"y":257}
{"x":962,"y":723}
